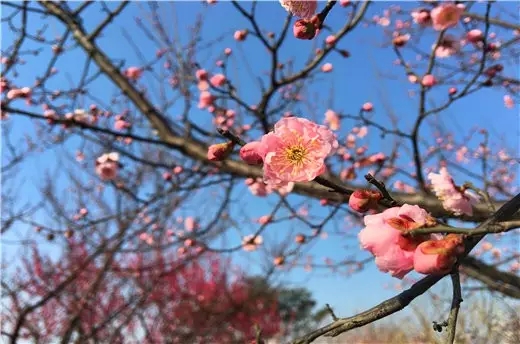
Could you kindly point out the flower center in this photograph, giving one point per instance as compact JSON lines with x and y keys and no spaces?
{"x":296,"y":154}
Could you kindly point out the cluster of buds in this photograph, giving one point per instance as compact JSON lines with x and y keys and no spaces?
{"x":107,"y":166}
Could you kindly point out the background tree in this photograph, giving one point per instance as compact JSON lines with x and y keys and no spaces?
{"x":130,"y":212}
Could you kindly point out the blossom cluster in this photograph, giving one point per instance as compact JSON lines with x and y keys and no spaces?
{"x":387,"y":236}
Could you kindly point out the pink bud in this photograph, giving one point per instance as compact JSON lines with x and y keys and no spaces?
{"x":220,"y":151}
{"x":218,"y":80}
{"x":306,"y":29}
{"x":437,"y":256}
{"x":364,"y":200}
{"x":368,"y":107}
{"x":474,"y":36}
{"x":240,"y":35}
{"x":327,"y":67}
{"x":330,"y":40}
{"x":251,"y":153}
{"x":227,"y":51}
{"x":428,"y":80}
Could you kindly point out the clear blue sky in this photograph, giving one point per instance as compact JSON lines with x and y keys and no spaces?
{"x":354,"y":81}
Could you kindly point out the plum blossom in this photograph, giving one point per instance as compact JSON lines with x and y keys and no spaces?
{"x":251,"y":242}
{"x":382,"y":236}
{"x":218,"y":80}
{"x":428,"y":80}
{"x":422,"y":17}
{"x":445,"y":16}
{"x":206,"y":99}
{"x":307,"y":28}
{"x":474,"y":36}
{"x":326,"y":68}
{"x":303,"y":9}
{"x":454,"y":198}
{"x":447,"y":47}
{"x":240,"y":35}
{"x":368,"y":107}
{"x":250,"y":153}
{"x":332,"y":119}
{"x":107,"y":166}
{"x":364,"y":200}
{"x":220,"y":151}
{"x":133,"y":73}
{"x":509,"y":102}
{"x":295,"y":151}
{"x":438,"y":256}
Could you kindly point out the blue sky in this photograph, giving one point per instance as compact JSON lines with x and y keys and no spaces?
{"x":354,"y":81}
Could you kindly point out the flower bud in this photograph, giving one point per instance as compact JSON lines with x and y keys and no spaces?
{"x":438,"y":256}
{"x":364,"y":200}
{"x":306,"y":29}
{"x":251,"y":154}
{"x":220,"y":151}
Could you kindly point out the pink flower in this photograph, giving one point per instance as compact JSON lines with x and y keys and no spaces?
{"x":206,"y":99}
{"x":382,"y":237}
{"x":303,"y":9}
{"x":220,"y":151}
{"x":296,"y":150}
{"x":445,"y":16}
{"x":133,"y":73}
{"x":363,"y":131}
{"x":332,"y":119}
{"x":447,"y":47}
{"x":190,"y":224}
{"x":265,"y":219}
{"x":428,"y":80}
{"x":218,"y":80}
{"x":422,"y":17}
{"x":364,"y":200}
{"x":306,"y":29}
{"x":509,"y":102}
{"x":327,"y":67}
{"x":201,"y":74}
{"x":121,"y":124}
{"x":107,"y":166}
{"x":368,"y":107}
{"x":437,"y":256}
{"x":227,"y":51}
{"x":400,"y":40}
{"x":251,"y":242}
{"x":252,"y":153}
{"x":240,"y":35}
{"x":330,"y":40}
{"x":474,"y":36}
{"x":453,"y":198}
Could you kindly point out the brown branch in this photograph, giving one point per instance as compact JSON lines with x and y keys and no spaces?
{"x":455,"y":306}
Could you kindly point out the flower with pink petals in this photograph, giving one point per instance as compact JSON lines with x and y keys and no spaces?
{"x":445,"y":16}
{"x":220,"y":151}
{"x":428,"y":80}
{"x":190,"y":224}
{"x":107,"y":166}
{"x":422,"y":17}
{"x":133,"y":73}
{"x":454,"y":198}
{"x":330,"y":40}
{"x":240,"y":35}
{"x":218,"y":80}
{"x":252,"y":153}
{"x":303,"y":9}
{"x":296,"y":150}
{"x":307,"y":28}
{"x":332,"y":119}
{"x":474,"y":36}
{"x":447,"y":47}
{"x":368,"y":107}
{"x":206,"y":99}
{"x":437,"y":256}
{"x":201,"y":75}
{"x":382,"y":236}
{"x":509,"y":102}
{"x":364,"y":200}
{"x":251,"y":242}
{"x":326,"y":68}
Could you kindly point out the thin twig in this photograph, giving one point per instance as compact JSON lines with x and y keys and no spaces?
{"x":455,"y":306}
